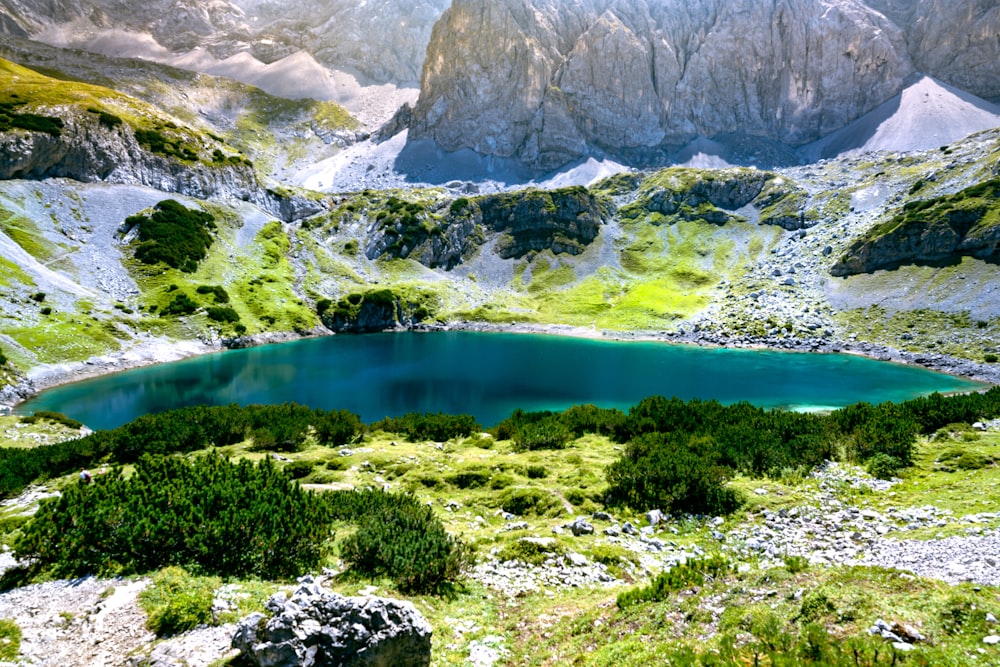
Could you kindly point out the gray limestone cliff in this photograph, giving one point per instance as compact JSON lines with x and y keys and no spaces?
{"x":383,"y":40}
{"x":549,"y":83}
{"x":87,"y":150}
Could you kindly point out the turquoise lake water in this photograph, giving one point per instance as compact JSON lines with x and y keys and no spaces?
{"x":487,"y":375}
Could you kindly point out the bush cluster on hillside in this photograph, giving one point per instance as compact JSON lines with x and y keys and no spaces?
{"x":438,"y":427}
{"x":232,"y":519}
{"x":177,"y":236}
{"x":399,"y":537}
{"x":10,"y":119}
{"x":178,"y":431}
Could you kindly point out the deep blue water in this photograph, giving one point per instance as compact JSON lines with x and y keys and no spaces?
{"x":487,"y":375}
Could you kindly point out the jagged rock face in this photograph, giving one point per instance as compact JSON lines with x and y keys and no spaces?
{"x":955,"y":42}
{"x":89,"y":152}
{"x":383,"y":39}
{"x":550,"y":82}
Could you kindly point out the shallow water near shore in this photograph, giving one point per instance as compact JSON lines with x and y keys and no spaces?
{"x":488,"y":375}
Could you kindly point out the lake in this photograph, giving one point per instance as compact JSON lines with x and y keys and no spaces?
{"x":487,"y":375}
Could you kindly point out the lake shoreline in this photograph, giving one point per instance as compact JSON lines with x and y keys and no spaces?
{"x":152,"y":352}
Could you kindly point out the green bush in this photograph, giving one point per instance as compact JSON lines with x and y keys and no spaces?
{"x":472,"y":477}
{"x":533,"y":551}
{"x":215,"y":516}
{"x":437,"y":427}
{"x":219,"y":292}
{"x":178,"y":431}
{"x":54,"y":417}
{"x":883,"y":466}
{"x":674,"y":472}
{"x":9,"y":119}
{"x":298,"y":469}
{"x":223,"y":314}
{"x":181,"y":304}
{"x":400,"y":537}
{"x":176,"y":602}
{"x":990,"y":358}
{"x":524,"y":501}
{"x":174,"y":235}
{"x":583,"y":419}
{"x":683,"y":575}
{"x":3,"y":358}
{"x":547,"y":433}
{"x":535,"y":471}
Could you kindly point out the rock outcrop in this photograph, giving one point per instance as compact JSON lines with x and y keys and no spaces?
{"x":936,"y":230}
{"x":715,"y":196}
{"x":549,"y":83}
{"x":376,"y":310}
{"x":318,"y":627}
{"x":563,"y":221}
{"x":88,"y":151}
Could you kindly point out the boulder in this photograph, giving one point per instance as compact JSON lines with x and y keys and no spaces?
{"x":315,"y":626}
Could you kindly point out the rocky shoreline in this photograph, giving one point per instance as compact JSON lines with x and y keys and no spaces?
{"x":157,"y":351}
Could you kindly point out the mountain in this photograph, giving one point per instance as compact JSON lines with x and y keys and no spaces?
{"x":382,"y":40}
{"x":550,"y":83}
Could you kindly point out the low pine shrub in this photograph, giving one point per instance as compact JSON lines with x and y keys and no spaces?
{"x":400,"y":537}
{"x":524,"y":501}
{"x":214,"y":516}
{"x":533,"y":551}
{"x":177,"y":236}
{"x":437,"y":427}
{"x":683,"y":575}
{"x":673,"y":472}
{"x":548,"y":433}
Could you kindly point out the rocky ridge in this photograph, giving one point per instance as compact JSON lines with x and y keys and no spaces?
{"x":88,"y":152}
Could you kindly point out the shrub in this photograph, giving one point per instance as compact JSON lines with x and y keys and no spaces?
{"x":400,"y":537}
{"x":218,"y":517}
{"x":547,"y":433}
{"x":523,"y":501}
{"x":883,"y":466}
{"x":38,"y":296}
{"x":298,"y":469}
{"x":181,"y":304}
{"x":177,"y":236}
{"x":535,"y":472}
{"x":54,"y":417}
{"x":437,"y":427}
{"x":223,"y":314}
{"x":533,"y":550}
{"x":469,"y":478}
{"x":219,"y":292}
{"x":683,"y":575}
{"x":583,"y":419}
{"x":3,"y":358}
{"x":176,"y":602}
{"x":673,"y":472}
{"x":990,"y":358}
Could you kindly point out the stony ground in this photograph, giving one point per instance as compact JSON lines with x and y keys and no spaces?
{"x":98,"y":622}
